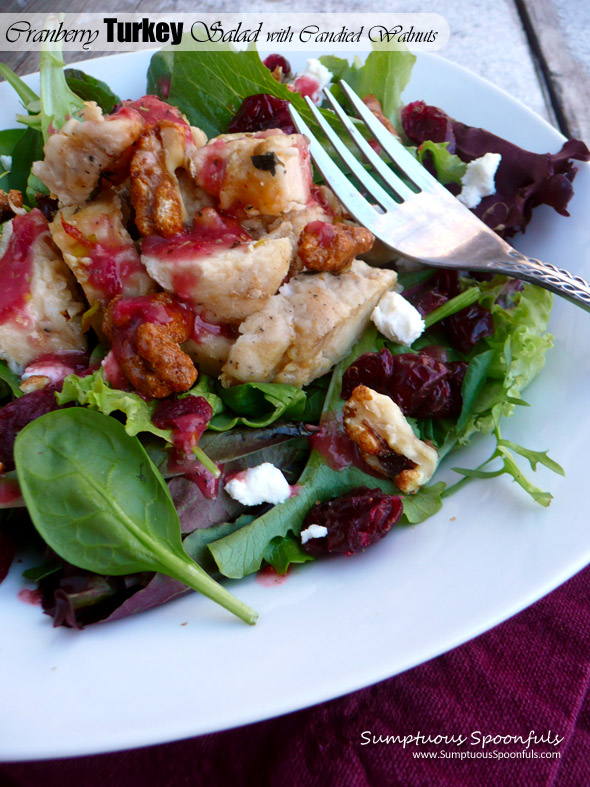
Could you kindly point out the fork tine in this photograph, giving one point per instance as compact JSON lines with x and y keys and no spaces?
{"x":394,"y":149}
{"x":358,"y":207}
{"x":389,"y":176}
{"x":357,"y":169}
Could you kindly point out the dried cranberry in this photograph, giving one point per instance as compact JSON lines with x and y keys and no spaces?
{"x":188,"y":418}
{"x":17,"y":414}
{"x":261,"y":112}
{"x":466,"y":327}
{"x":418,"y":383}
{"x":422,"y":122}
{"x":273,"y":62}
{"x":453,"y":403}
{"x":425,"y":300}
{"x":354,"y":521}
{"x":374,"y":370}
{"x":447,"y":282}
{"x":440,"y":288}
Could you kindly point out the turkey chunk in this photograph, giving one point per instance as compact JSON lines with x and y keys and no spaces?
{"x":40,"y":313}
{"x":77,"y":154}
{"x":99,"y":250}
{"x":307,"y":327}
{"x":386,"y":440}
{"x":266,"y":173}
{"x":209,"y":352}
{"x":223,"y":276}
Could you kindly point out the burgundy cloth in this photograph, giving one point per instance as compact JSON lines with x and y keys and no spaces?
{"x":530,"y":673}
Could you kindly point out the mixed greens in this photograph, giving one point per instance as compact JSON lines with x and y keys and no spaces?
{"x":127,"y":531}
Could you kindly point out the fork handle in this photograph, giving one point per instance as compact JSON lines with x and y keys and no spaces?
{"x":558,"y":280}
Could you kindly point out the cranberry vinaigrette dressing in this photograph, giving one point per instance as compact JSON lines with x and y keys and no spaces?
{"x":112,"y":264}
{"x":154,"y":111}
{"x":16,"y":264}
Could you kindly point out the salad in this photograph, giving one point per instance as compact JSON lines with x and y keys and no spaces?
{"x":200,"y":377}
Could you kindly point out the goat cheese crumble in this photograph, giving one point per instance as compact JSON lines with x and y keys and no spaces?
{"x":398,"y":319}
{"x":313,"y":531}
{"x":479,"y":179}
{"x":264,"y":483}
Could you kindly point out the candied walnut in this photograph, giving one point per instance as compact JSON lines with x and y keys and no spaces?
{"x":145,"y":333}
{"x":373,"y":103}
{"x":331,"y":247}
{"x":155,"y":192}
{"x":386,"y":440}
{"x":11,"y":204}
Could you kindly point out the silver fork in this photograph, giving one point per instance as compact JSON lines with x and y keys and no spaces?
{"x":425,"y":222}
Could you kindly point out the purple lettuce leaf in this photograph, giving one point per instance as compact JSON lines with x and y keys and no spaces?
{"x":524,"y":179}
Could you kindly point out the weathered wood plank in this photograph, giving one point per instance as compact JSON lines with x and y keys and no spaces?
{"x":552,"y":24}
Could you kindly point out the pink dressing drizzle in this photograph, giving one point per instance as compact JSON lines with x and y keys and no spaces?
{"x":112,"y":264}
{"x":153,"y":111}
{"x":268,"y":576}
{"x":16,"y":264}
{"x":212,"y":232}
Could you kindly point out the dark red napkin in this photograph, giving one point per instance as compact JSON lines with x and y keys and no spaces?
{"x":529,"y":677}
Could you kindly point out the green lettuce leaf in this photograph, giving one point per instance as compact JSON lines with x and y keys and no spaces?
{"x":209,"y":86}
{"x":385,"y":73}
{"x":283,"y":551}
{"x":260,"y":404}
{"x":94,"y":392}
{"x":449,"y":167}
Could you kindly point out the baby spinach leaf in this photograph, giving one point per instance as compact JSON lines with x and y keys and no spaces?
{"x":91,"y":89}
{"x":98,"y":501}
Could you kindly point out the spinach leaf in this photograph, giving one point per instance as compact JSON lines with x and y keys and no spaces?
{"x":91,"y":89}
{"x":97,"y":500}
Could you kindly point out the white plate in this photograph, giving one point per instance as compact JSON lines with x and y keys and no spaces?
{"x":189,"y":668}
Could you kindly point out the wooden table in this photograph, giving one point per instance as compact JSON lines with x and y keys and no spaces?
{"x":536,"y":50}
